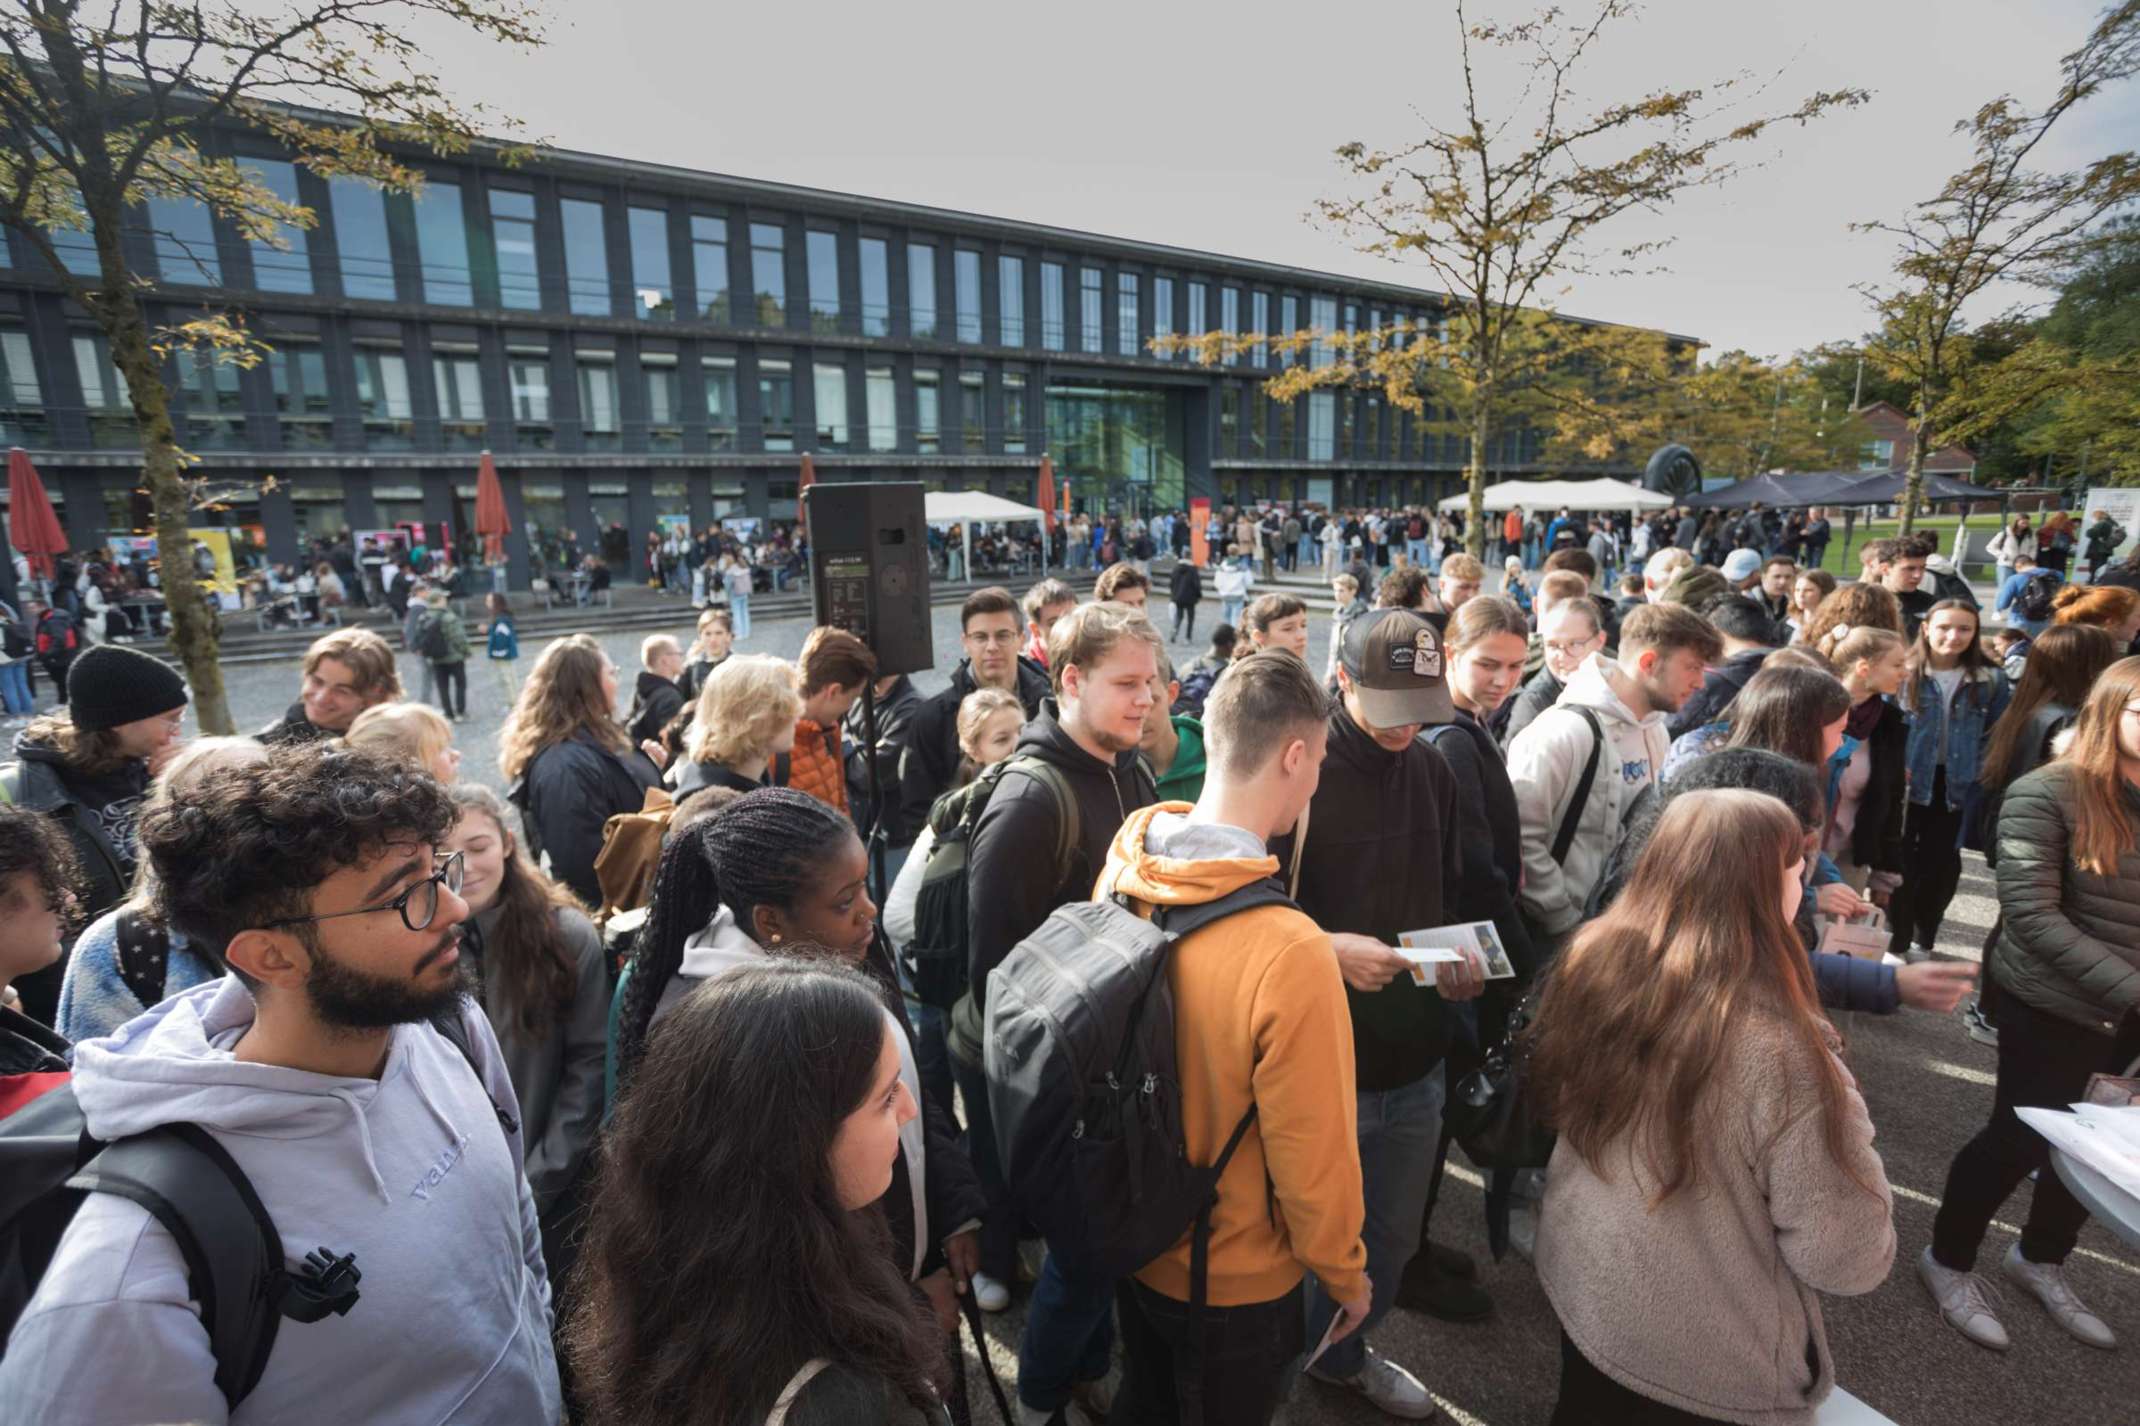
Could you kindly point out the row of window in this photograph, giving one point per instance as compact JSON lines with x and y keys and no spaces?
{"x":490,"y":248}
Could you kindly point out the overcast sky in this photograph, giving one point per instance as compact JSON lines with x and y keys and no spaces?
{"x":1211,"y":126}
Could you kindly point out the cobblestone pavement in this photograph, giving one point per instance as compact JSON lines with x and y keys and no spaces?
{"x":1929,"y":1087}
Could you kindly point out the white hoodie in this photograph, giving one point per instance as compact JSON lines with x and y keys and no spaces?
{"x":410,"y":1172}
{"x":1545,"y":762}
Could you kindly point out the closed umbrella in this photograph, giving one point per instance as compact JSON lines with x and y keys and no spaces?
{"x":33,"y":525}
{"x":492,"y":523}
{"x":1044,"y":497}
{"x":803,"y":483}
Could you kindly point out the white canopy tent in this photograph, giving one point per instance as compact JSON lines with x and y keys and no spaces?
{"x":964,"y":507}
{"x":1575,"y":494}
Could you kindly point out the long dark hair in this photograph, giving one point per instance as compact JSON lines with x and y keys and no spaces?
{"x":527,"y":963}
{"x":704,"y":1316}
{"x":1784,"y":709}
{"x":1973,"y":659}
{"x":2064,"y":662}
{"x":764,"y":849}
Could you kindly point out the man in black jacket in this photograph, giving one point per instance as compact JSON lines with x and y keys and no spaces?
{"x":345,"y":672}
{"x":988,"y":632}
{"x":896,"y":700}
{"x":1381,"y":857}
{"x":1186,"y":589}
{"x":1748,"y":641}
{"x":1105,"y":660}
{"x":655,"y":698}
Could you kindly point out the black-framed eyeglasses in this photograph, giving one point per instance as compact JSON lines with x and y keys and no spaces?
{"x":418,"y":905}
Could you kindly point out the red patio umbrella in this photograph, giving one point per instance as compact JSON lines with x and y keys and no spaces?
{"x":1044,"y":497}
{"x":492,"y":523}
{"x":32,"y":524}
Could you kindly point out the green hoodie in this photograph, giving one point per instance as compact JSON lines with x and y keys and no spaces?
{"x":1184,"y":781}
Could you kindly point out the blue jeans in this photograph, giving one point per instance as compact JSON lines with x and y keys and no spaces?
{"x":1230,"y":612}
{"x":1415,"y":554}
{"x":1069,"y":1337}
{"x":999,"y":1225}
{"x":739,"y":614}
{"x":15,"y":688}
{"x":1399,"y":1132}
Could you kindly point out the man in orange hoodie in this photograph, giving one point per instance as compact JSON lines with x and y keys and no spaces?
{"x":830,"y":674}
{"x":1260,"y":1021}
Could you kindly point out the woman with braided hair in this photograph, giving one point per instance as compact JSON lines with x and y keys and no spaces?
{"x":775,"y":874}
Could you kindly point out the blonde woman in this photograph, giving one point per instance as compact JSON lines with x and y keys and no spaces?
{"x":411,"y":734}
{"x":745,"y":718}
{"x":567,"y":760}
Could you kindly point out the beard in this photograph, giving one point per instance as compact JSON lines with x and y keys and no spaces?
{"x":345,"y":998}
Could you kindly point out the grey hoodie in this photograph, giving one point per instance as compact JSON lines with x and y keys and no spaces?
{"x":411,"y":1172}
{"x":723,"y":947}
{"x":1545,"y":762}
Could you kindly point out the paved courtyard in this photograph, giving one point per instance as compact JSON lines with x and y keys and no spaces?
{"x":1929,"y":1088}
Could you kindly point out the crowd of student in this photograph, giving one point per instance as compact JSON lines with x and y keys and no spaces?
{"x":618,"y":1096}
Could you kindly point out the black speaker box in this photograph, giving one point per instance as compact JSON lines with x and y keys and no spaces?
{"x":869,"y":568}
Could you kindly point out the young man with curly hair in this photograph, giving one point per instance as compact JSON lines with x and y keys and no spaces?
{"x":319,"y":1065}
{"x":37,"y":880}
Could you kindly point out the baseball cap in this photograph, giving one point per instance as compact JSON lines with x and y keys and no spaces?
{"x":1394,"y":659}
{"x":1741,"y":565}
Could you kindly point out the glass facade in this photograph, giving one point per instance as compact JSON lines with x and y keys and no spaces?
{"x":1259,"y":319}
{"x":966,"y":292}
{"x":829,"y":387}
{"x":284,"y":265}
{"x":1322,"y":425}
{"x":22,"y":418}
{"x":664,"y":403}
{"x":1014,"y":417}
{"x":601,"y":423}
{"x":1198,"y":325}
{"x":653,"y":292}
{"x":1163,"y":310}
{"x":1230,"y":318}
{"x":1124,"y":443}
{"x":1090,"y":335}
{"x":973,"y":412}
{"x":512,"y":237}
{"x":360,"y":239}
{"x":586,"y":258}
{"x":458,"y":377}
{"x":709,"y":267}
{"x":719,"y":374}
{"x":383,"y":399}
{"x":928,"y":412}
{"x":769,"y":273}
{"x":1010,"y":301}
{"x":185,"y":242}
{"x":527,"y":373}
{"x":111,"y":415}
{"x":1051,"y":306}
{"x":1289,"y":321}
{"x":921,"y":290}
{"x":442,"y":245}
{"x":881,"y":396}
{"x":876,"y":288}
{"x":1322,"y":316}
{"x":821,"y":250}
{"x":1127,"y":319}
{"x":214,"y":403}
{"x":776,"y":404}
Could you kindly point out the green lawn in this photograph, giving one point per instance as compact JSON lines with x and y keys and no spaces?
{"x":1940,"y":527}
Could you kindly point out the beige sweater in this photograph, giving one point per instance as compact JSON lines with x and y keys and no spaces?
{"x":1707,"y":1302}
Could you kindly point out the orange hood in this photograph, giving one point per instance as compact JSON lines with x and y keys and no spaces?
{"x":1173,"y":881}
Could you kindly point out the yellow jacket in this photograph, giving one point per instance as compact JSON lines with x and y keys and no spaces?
{"x":1259,"y":1017}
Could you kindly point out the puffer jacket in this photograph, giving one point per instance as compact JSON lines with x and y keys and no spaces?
{"x":2069,"y":940}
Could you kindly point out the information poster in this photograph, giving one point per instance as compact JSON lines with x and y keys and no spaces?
{"x":1199,"y":543}
{"x":674,"y":525}
{"x":2122,"y":504}
{"x":220,"y":571}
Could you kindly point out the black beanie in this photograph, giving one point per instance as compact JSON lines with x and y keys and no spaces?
{"x":110,"y":685}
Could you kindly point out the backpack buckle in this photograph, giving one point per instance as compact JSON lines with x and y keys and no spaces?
{"x":327,"y":1283}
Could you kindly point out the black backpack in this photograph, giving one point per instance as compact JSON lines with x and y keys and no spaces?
{"x":1085,"y":1092}
{"x":431,"y":638}
{"x":2034,"y":599}
{"x":235,"y":1264}
{"x":1195,"y":689}
{"x":938,"y":959}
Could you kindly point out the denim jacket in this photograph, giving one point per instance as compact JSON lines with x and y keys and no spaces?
{"x":1979,"y":701}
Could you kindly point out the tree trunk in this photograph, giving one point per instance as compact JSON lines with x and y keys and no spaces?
{"x":195,"y":633}
{"x":1913,"y":484}
{"x":1482,"y":401}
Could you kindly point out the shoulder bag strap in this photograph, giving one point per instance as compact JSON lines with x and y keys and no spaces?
{"x":1572,"y":818}
{"x":1300,"y":844}
{"x":804,"y":1375}
{"x":455,"y":1030}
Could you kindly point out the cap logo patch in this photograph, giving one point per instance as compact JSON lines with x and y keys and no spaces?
{"x":1426,"y":655}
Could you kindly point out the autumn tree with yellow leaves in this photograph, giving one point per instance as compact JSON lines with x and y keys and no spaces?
{"x":105,"y":106}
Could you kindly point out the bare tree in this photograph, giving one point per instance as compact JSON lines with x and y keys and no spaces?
{"x":103,"y":106}
{"x":2000,"y":219}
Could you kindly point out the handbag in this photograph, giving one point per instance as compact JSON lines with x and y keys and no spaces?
{"x":1490,"y":1114}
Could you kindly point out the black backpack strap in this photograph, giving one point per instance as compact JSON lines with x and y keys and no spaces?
{"x":234,"y":1260}
{"x":783,"y":764}
{"x":1180,"y":921}
{"x":1572,"y":818}
{"x":1200,"y":1234}
{"x":455,"y":1029}
{"x":144,"y":955}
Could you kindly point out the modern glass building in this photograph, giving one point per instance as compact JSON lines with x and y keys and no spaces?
{"x":635,"y":342}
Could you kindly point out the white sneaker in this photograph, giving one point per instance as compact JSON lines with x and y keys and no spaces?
{"x":2047,"y":1283}
{"x":1396,"y":1391}
{"x":1964,"y":1300}
{"x":990,"y":1295}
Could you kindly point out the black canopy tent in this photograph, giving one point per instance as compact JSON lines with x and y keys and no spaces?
{"x":1811,"y":488}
